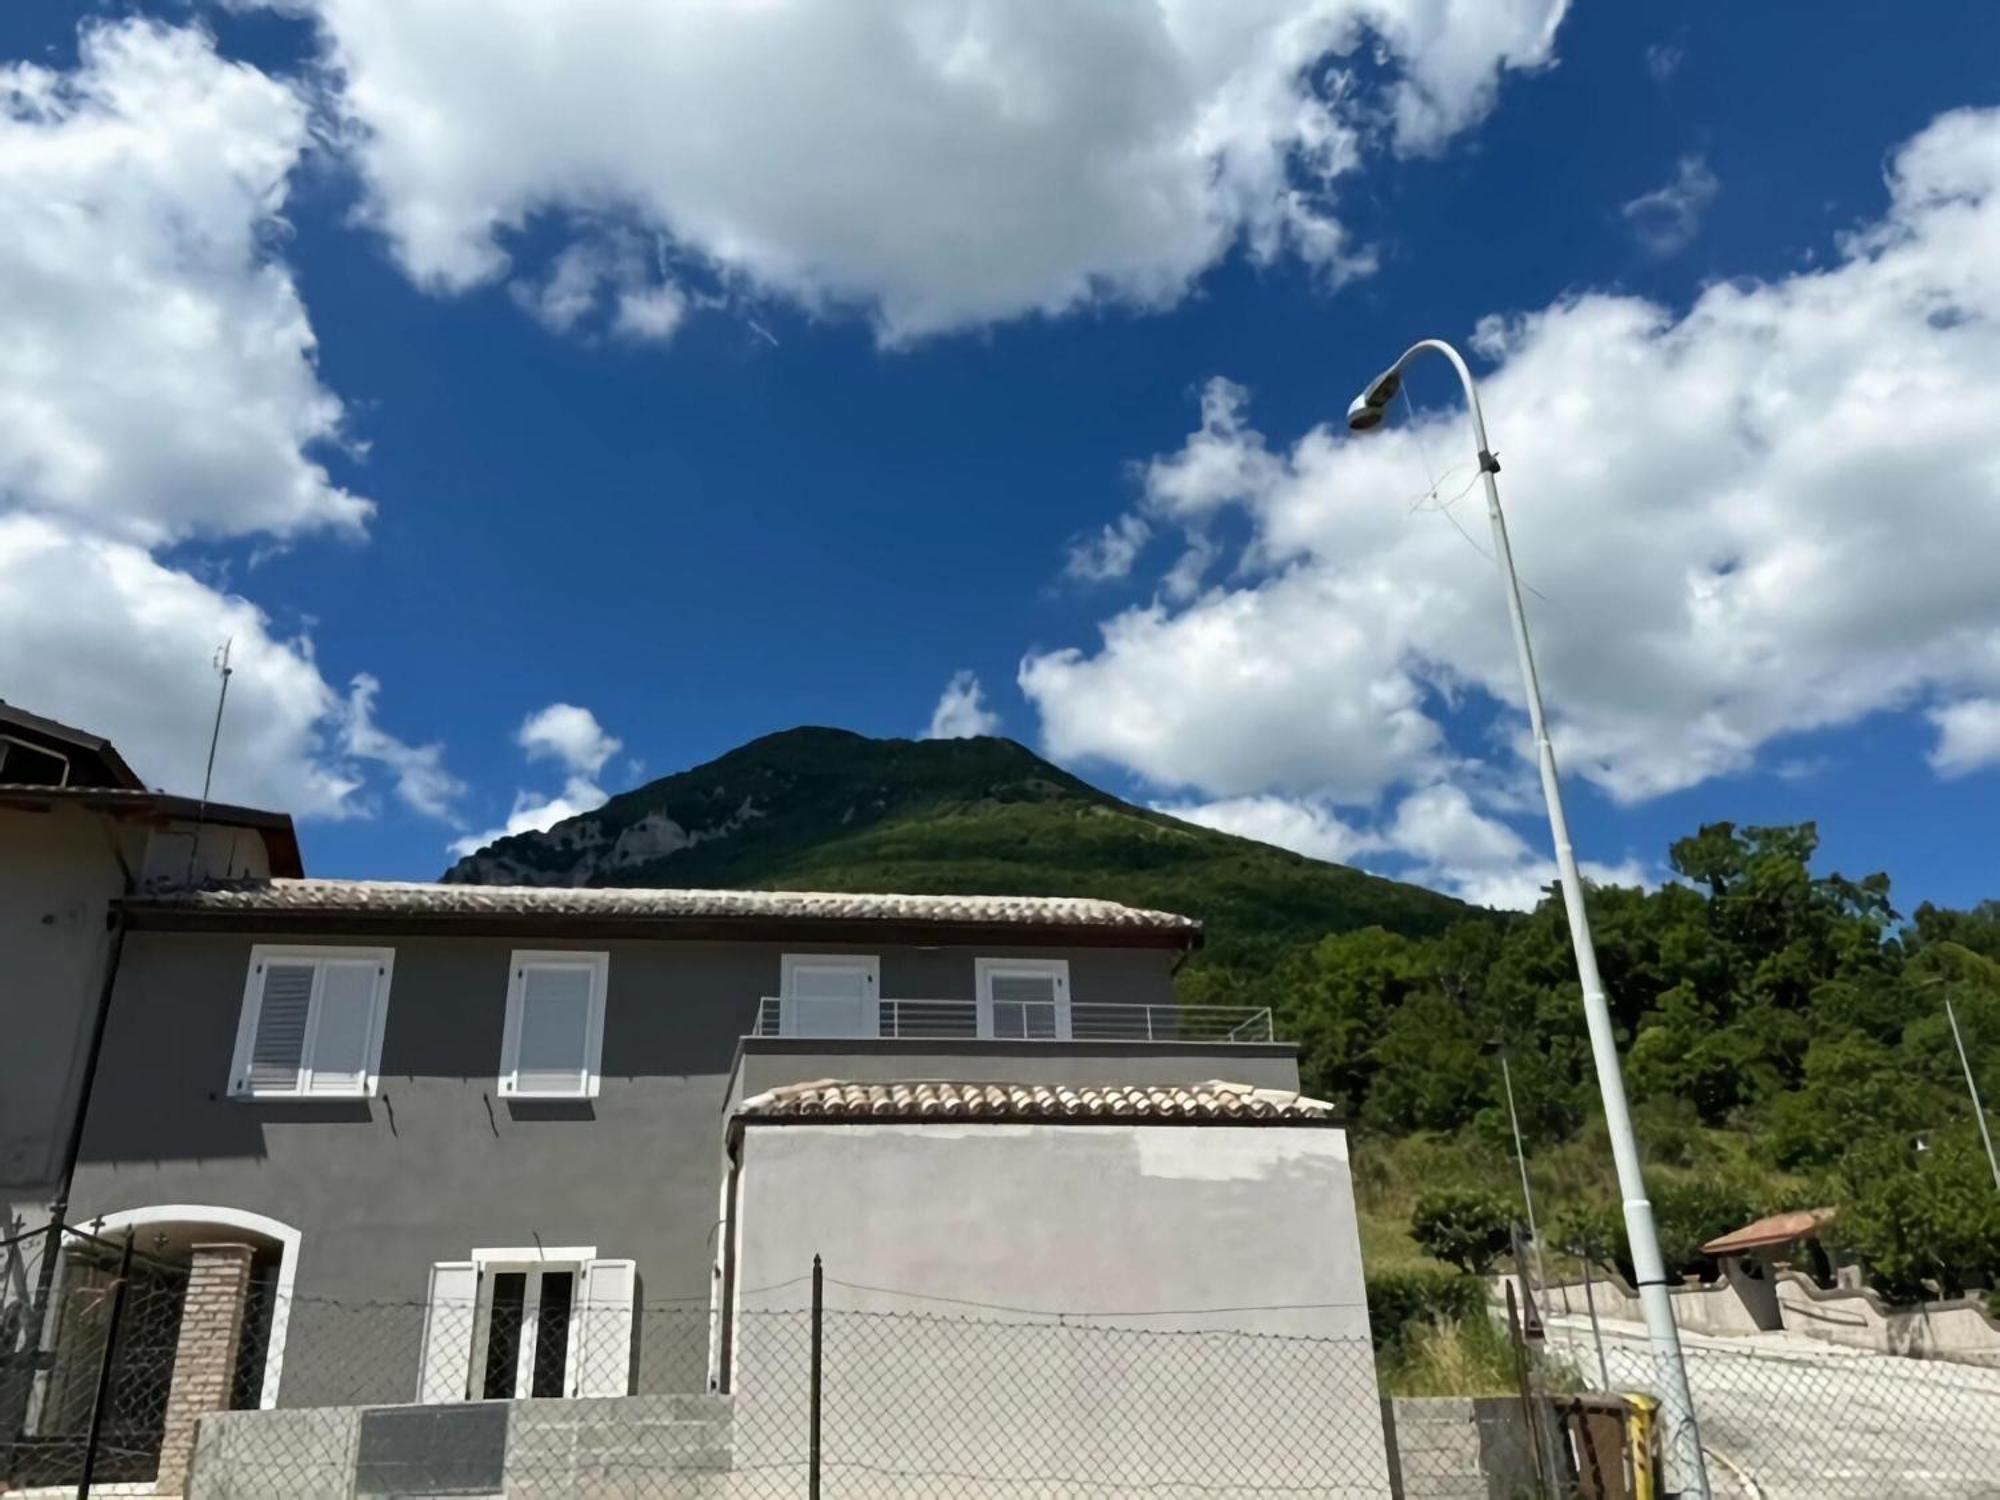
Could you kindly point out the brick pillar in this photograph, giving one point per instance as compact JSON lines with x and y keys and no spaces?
{"x":205,"y":1356}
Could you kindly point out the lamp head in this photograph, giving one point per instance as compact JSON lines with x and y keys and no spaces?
{"x":1367,"y":411}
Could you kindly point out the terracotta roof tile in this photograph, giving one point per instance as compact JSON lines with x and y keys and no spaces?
{"x":418,"y":898}
{"x":832,"y":1099}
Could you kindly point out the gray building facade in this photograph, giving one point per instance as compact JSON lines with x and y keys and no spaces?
{"x":354,"y":1201}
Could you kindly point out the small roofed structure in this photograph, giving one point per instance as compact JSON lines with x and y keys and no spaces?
{"x":1772,"y":1232}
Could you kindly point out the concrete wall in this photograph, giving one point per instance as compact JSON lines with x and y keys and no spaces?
{"x":1958,"y":1330}
{"x":1214,"y":1328}
{"x":632,"y":1445}
{"x":59,"y":871}
{"x":1717,"y":1307}
{"x":1855,"y":1317}
{"x":437,"y":1164}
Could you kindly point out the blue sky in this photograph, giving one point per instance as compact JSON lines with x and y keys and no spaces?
{"x":788,"y":405}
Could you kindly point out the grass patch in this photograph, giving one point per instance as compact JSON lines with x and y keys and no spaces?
{"x":1449,"y":1357}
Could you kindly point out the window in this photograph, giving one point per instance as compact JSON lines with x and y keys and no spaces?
{"x":554,"y":1041}
{"x":1023,"y":999}
{"x":312,"y":1023}
{"x":829,"y":995}
{"x":511,"y":1325}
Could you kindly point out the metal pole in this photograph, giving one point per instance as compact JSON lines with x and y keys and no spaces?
{"x":1676,"y":1400}
{"x":1596,"y":1333}
{"x":97,"y":1399}
{"x":1543,"y":1487}
{"x":1527,"y":1193}
{"x":812,"y":1441}
{"x":1972,"y":1088}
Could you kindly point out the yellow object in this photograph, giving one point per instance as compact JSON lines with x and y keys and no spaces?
{"x":1642,"y":1444}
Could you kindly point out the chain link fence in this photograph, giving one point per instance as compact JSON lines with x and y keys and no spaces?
{"x":1782,"y":1418}
{"x":139,"y":1371}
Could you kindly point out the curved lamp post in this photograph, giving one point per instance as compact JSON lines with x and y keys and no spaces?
{"x":1368,"y":412}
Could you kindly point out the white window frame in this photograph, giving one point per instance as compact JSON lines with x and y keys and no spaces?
{"x":533,"y":1261}
{"x":870,"y":964}
{"x":253,"y":1000}
{"x":518,"y":963}
{"x":985,"y":970}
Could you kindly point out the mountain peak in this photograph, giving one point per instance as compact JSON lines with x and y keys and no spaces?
{"x":816,"y":807}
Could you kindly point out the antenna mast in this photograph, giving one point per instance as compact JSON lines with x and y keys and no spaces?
{"x":223,"y":670}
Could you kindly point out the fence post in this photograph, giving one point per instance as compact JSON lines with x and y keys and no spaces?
{"x":1543,"y":1484}
{"x":104,"y":1358}
{"x":812,"y":1441}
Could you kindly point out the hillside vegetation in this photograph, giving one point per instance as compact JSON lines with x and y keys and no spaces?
{"x":1785,"y":1045}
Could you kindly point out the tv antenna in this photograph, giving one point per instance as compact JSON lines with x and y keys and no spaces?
{"x":222,"y":670}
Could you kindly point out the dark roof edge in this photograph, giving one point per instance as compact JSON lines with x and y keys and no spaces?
{"x":77,"y":739}
{"x":281,"y":841}
{"x":168,"y":915}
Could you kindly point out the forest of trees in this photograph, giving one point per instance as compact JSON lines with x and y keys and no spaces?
{"x":1751,"y":995}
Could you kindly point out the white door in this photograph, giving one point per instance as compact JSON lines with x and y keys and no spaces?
{"x":829,"y":995}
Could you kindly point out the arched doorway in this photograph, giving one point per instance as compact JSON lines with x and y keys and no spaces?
{"x":169,"y":1232}
{"x":164,"y":1371}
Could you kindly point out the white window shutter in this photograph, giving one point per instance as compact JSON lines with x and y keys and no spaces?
{"x":346,"y":1023}
{"x":284,"y":1009}
{"x":603,"y":1362}
{"x":446,"y":1364}
{"x":552,"y":1036}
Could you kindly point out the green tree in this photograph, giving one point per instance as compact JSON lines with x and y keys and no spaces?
{"x":1854,"y":1092}
{"x":1463,"y":1227}
{"x":1430,"y":1073}
{"x":1923,"y":1223}
{"x":1338,"y":995}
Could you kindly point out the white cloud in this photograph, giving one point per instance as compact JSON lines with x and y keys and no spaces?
{"x":1304,"y":827}
{"x":421,"y":778}
{"x":567,"y":733}
{"x":571,"y":736}
{"x":607,"y":279}
{"x":1664,"y":59}
{"x":961,"y":711}
{"x":1435,"y":836}
{"x":1666,"y":220}
{"x":156,"y":378}
{"x":934,"y":166}
{"x":157,"y":386}
{"x":1774,"y":513}
{"x":534,"y":812}
{"x":1111,"y":553}
{"x":1968,"y":736}
{"x":100,"y":634}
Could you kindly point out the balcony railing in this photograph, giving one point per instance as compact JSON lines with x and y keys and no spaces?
{"x":944,"y":1020}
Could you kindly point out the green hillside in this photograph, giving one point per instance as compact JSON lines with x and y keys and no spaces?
{"x":824,"y":809}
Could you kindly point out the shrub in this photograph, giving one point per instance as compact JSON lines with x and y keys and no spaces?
{"x":1463,"y":1227}
{"x":1401,"y":1302}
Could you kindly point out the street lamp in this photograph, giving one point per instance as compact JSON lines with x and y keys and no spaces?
{"x":1497,"y":1048}
{"x":1971,"y":1083}
{"x":1367,"y":412}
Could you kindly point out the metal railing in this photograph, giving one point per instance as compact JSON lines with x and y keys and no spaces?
{"x":946,"y":1020}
